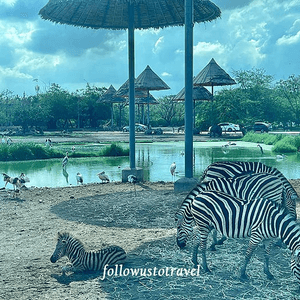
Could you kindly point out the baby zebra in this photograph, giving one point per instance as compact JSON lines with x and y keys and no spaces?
{"x":258,"y":219}
{"x":82,"y":260}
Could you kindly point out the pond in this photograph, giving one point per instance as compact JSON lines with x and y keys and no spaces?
{"x":154,"y":158}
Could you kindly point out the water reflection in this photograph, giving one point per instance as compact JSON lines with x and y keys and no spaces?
{"x":154,"y":158}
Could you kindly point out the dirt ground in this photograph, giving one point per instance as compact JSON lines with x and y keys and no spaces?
{"x":141,"y":223}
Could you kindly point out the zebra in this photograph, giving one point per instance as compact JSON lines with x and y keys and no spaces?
{"x":82,"y":260}
{"x":244,"y":187}
{"x":258,"y":219}
{"x":233,"y":169}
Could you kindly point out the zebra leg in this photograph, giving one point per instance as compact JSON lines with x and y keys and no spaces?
{"x":216,"y":241}
{"x":254,"y":240}
{"x":267,"y":247}
{"x":201,"y":240}
{"x":71,"y":268}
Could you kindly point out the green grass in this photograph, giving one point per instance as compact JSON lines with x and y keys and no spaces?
{"x":281,"y":143}
{"x":32,"y":151}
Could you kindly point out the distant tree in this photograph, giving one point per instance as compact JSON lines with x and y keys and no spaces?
{"x":6,"y":108}
{"x":91,"y":110}
{"x":289,"y":92}
{"x":169,"y":112}
{"x":28,"y":112}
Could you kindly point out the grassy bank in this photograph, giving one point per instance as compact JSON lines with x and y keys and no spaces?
{"x":32,"y":151}
{"x":281,"y":143}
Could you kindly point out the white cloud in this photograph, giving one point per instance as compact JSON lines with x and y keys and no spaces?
{"x":166,"y":74}
{"x":16,"y":34}
{"x":289,"y":39}
{"x":8,"y":2}
{"x":13,"y":73}
{"x":31,"y":61}
{"x":158,"y":44}
{"x":211,"y":48}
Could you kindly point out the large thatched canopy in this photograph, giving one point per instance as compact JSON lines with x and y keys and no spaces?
{"x":123,"y":91}
{"x":146,"y":100}
{"x":199,"y":93}
{"x":213,"y":75}
{"x":114,"y":14}
{"x":110,"y":96}
{"x":149,"y":80}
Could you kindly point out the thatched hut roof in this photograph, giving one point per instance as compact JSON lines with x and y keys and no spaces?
{"x":113,"y":14}
{"x":213,"y":75}
{"x":199,"y":93}
{"x":110,"y":96}
{"x":123,"y":91}
{"x":145,"y":100}
{"x":149,"y":80}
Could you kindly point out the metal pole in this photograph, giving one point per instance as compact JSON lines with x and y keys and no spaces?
{"x":189,"y":9}
{"x":131,"y":87}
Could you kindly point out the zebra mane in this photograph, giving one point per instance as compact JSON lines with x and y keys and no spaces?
{"x":68,"y":236}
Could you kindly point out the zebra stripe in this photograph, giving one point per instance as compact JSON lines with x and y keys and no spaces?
{"x":233,"y":169}
{"x":82,"y":260}
{"x":260,"y":220}
{"x":245,"y":187}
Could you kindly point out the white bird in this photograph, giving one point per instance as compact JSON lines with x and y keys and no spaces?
{"x":73,"y":148}
{"x":79,"y":178}
{"x":280,"y":156}
{"x":15,"y":181}
{"x":65,"y":160}
{"x":172,"y":169}
{"x":23,"y":178}
{"x":102,"y":176}
{"x":132,"y":179}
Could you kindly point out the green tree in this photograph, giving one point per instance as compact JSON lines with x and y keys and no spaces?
{"x":61,"y":106}
{"x":91,"y":110}
{"x":28,"y":112}
{"x":168,"y":112}
{"x":289,"y":93}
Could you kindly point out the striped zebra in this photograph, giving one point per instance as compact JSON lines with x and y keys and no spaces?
{"x":82,"y":260}
{"x":233,"y":169}
{"x":236,"y":218}
{"x":243,"y":187}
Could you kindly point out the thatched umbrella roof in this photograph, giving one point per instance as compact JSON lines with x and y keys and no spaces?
{"x":148,"y":80}
{"x":110,"y":96}
{"x":199,"y":93}
{"x":213,"y":75}
{"x":144,"y":100}
{"x":123,"y":91}
{"x":114,"y":14}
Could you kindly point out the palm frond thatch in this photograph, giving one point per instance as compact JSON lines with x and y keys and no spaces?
{"x":213,"y":75}
{"x":114,"y":14}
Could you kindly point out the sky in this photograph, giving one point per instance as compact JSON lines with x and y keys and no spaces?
{"x":262,"y":34}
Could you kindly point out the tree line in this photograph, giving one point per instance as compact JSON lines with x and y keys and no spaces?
{"x":255,"y":97}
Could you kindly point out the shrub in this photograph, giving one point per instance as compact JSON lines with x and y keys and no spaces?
{"x":114,"y":150}
{"x":285,"y":145}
